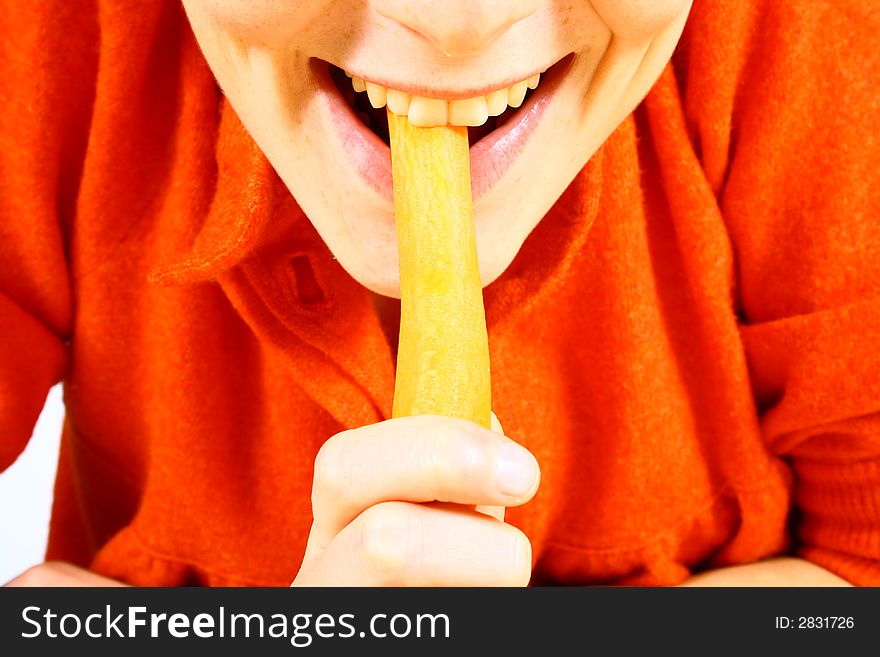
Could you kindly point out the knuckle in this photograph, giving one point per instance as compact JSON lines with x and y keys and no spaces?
{"x":437,"y":459}
{"x":452,"y":454}
{"x":386,"y":541}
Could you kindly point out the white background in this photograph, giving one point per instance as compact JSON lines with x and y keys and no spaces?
{"x":26,"y":494}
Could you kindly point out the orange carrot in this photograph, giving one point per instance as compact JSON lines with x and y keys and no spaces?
{"x":443,"y":354}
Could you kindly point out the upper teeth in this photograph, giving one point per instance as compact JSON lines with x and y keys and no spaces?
{"x":426,"y":112}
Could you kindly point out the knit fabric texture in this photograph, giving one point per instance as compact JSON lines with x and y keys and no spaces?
{"x":689,"y":342}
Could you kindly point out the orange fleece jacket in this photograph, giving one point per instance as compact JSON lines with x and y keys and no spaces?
{"x":689,"y":342}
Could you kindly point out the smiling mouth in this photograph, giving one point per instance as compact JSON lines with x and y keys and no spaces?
{"x":483,"y":114}
{"x":496,"y":141}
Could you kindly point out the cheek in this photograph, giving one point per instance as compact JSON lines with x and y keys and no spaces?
{"x":639,"y":19}
{"x":261,"y":21}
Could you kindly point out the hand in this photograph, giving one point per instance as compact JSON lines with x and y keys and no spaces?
{"x":403,"y":503}
{"x":57,"y":573}
{"x":775,"y":571}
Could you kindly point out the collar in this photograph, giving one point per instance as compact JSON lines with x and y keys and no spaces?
{"x":251,"y":210}
{"x":247,"y":196}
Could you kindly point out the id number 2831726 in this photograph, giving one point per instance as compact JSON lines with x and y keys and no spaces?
{"x":814,"y":623}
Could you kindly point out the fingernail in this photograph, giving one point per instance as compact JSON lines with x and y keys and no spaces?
{"x":515,"y":470}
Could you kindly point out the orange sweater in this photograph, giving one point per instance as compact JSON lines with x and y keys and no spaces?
{"x":689,"y":342}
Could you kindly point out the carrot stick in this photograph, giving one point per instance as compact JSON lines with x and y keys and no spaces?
{"x":443,"y":353}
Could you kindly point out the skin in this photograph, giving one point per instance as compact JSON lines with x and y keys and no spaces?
{"x":260,"y":53}
{"x":419,"y":501}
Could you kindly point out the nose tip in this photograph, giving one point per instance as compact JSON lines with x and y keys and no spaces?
{"x":457,"y":27}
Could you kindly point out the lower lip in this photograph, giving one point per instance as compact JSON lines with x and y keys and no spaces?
{"x":491,"y":157}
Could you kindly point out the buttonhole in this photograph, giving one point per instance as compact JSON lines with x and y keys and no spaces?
{"x":307,"y":289}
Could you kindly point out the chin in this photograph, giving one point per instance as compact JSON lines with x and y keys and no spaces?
{"x":381,"y":275}
{"x":385,"y":283}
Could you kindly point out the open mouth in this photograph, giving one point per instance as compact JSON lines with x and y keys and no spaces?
{"x":483,"y":114}
{"x":498,"y":133}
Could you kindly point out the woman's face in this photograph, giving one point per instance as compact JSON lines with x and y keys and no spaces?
{"x":282,"y":65}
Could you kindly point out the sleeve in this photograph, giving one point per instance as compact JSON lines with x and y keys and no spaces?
{"x":47,"y":59}
{"x":801,"y":200}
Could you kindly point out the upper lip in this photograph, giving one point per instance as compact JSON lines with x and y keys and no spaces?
{"x":443,"y":91}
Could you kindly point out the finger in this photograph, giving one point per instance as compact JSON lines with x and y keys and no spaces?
{"x":496,"y":512}
{"x":60,"y":574}
{"x":417,"y":459}
{"x":405,"y":544}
